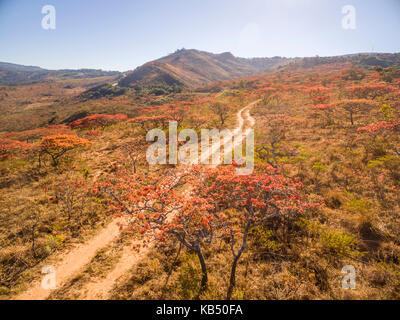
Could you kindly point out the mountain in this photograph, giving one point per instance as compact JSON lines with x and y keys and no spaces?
{"x":13,"y":74}
{"x":5,"y":66}
{"x":192,"y":68}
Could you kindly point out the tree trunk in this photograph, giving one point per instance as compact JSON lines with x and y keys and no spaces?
{"x":222,"y":120}
{"x":236,"y":257}
{"x":204,"y":276}
{"x":197,"y":248}
{"x":232,"y":281}
{"x":55,"y":162}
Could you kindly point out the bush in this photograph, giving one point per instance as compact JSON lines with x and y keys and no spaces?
{"x":103,"y":90}
{"x":189,"y":277}
{"x":338,"y":243}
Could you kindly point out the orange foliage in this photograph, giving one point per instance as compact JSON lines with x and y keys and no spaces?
{"x":98,"y":120}
{"x":57,"y":145}
{"x":11,"y":148}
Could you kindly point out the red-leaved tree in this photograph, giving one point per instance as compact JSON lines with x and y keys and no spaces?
{"x":355,"y":106}
{"x":370,"y":91}
{"x":243,"y":202}
{"x":12,"y":148}
{"x":200,"y":204}
{"x":98,"y":120}
{"x":57,"y":145}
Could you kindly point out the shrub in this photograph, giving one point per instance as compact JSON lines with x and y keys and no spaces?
{"x":103,"y":90}
{"x":338,"y":243}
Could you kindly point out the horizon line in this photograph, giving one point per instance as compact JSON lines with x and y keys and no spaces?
{"x":100,"y":69}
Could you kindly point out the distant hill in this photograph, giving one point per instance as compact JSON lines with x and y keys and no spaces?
{"x":358,"y":60}
{"x":192,"y":68}
{"x":5,"y":66}
{"x":14,"y":74}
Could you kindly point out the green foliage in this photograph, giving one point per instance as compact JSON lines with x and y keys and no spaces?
{"x":358,"y":205}
{"x":157,"y":89}
{"x":54,"y":242}
{"x":103,"y":90}
{"x":387,"y":161}
{"x":318,"y":166}
{"x":372,"y":61}
{"x":4,"y":291}
{"x":189,"y":277}
{"x":302,"y":156}
{"x":353,"y":74}
{"x":310,"y":226}
{"x":85,"y":172}
{"x":18,"y":164}
{"x":387,"y":111}
{"x":338,"y":243}
{"x":263,"y":241}
{"x":389,"y":74}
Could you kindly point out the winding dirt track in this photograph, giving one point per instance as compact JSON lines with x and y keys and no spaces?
{"x":71,"y":263}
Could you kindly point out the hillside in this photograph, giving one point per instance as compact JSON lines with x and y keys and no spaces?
{"x":192,"y":68}
{"x":326,"y":132}
{"x":15,"y":74}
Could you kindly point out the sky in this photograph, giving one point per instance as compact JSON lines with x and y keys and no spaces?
{"x":123,"y":34}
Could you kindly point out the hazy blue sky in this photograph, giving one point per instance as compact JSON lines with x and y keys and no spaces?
{"x":122,"y":34}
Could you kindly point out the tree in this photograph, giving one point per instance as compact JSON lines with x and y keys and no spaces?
{"x":269,"y":142}
{"x":327,"y":109}
{"x":243,"y":202}
{"x":387,"y":129}
{"x":316,"y":91}
{"x":135,"y":149}
{"x":11,"y":148}
{"x":71,"y":195}
{"x":370,"y":91}
{"x":355,"y":106}
{"x":158,"y":212}
{"x":198,"y":122}
{"x":320,"y":100}
{"x":151,"y":122}
{"x":380,"y":137}
{"x":200,"y":204}
{"x":57,"y":145}
{"x":98,"y":120}
{"x":32,"y":135}
{"x":221,"y":110}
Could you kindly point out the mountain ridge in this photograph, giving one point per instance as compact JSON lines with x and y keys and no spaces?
{"x":16,"y":74}
{"x":188,"y":68}
{"x":191,"y":67}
